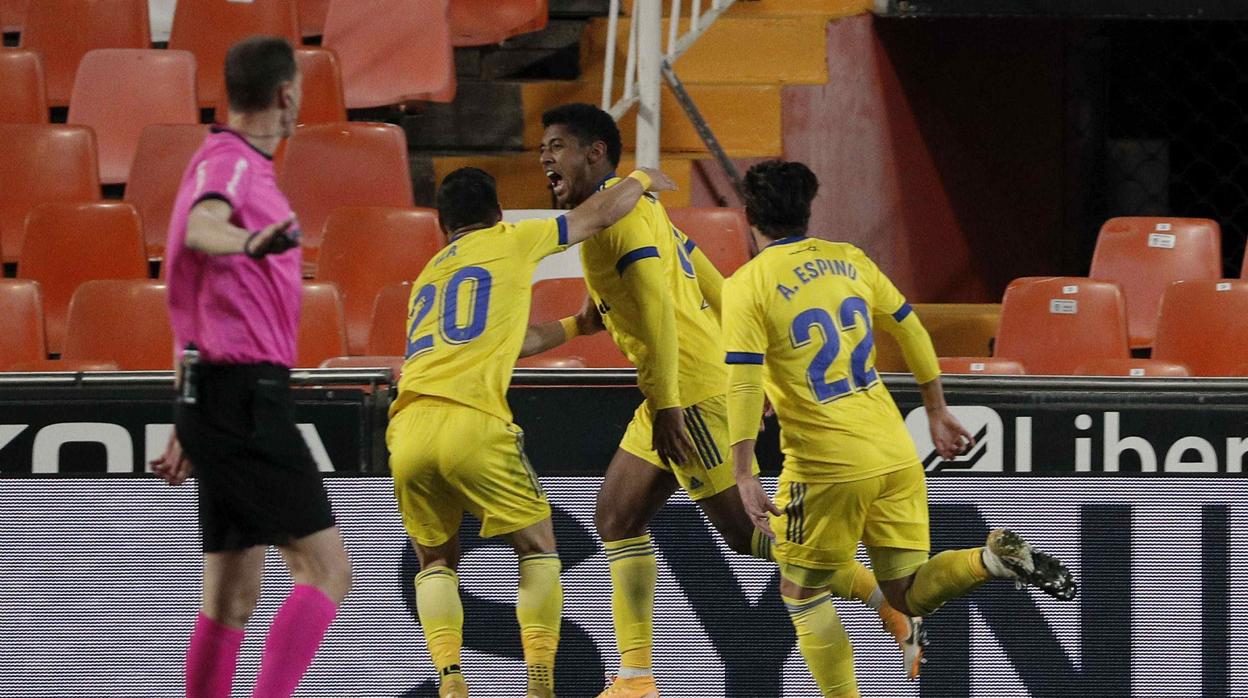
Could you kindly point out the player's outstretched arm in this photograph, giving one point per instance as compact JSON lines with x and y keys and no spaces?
{"x":603,"y":209}
{"x":548,"y":335}
{"x":710,"y":281}
{"x":745,"y":407}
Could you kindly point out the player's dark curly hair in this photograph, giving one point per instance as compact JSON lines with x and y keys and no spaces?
{"x":467,"y":196}
{"x":778,"y":196}
{"x":588,"y":124}
{"x":254,"y":70}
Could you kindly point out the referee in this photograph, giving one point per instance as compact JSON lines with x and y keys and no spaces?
{"x":234,"y":288}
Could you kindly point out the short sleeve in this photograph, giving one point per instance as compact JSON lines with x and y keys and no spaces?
{"x":745,"y":331}
{"x":223,"y":176}
{"x":630,"y":239}
{"x":542,"y":237}
{"x":885,"y":298}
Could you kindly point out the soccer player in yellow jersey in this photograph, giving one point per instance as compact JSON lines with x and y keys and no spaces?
{"x":452,"y":444}
{"x":798,"y":321}
{"x":659,"y":297}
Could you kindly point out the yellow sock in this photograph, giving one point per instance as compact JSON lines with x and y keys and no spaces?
{"x":441,"y":616}
{"x":539,"y":610}
{"x":824,"y":644}
{"x":760,"y":546}
{"x":634,"y":574}
{"x":946,"y":576}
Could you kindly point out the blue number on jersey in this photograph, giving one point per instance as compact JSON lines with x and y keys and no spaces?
{"x":862,"y":375}
{"x":452,"y":332}
{"x":683,"y":255}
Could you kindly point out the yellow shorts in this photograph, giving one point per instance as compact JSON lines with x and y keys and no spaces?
{"x":710,"y":470}
{"x":822,"y":523}
{"x":447,"y":458}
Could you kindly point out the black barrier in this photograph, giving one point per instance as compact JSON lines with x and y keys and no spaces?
{"x":113,"y":423}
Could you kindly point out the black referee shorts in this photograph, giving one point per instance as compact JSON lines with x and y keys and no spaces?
{"x":258,"y":484}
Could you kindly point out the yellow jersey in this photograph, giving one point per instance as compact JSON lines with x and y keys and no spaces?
{"x":626,"y":247}
{"x":804,"y":309}
{"x":469,"y":311}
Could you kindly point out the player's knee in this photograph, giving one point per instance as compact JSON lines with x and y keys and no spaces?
{"x":233,"y":606}
{"x":616,"y":522}
{"x":336,"y":582}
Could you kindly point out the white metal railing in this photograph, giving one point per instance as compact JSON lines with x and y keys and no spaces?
{"x":646,"y":61}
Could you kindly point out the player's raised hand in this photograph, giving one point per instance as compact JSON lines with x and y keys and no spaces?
{"x":173,"y":466}
{"x":758,"y":506}
{"x":659,"y":181}
{"x":950,"y":438}
{"x":671,"y":440}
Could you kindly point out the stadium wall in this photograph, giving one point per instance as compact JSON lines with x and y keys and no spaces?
{"x":100,"y":588}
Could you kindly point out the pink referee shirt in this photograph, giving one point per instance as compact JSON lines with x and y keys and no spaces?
{"x":236,"y":310}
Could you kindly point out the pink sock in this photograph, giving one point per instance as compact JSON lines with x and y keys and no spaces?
{"x":293,"y":638}
{"x":211,"y":659}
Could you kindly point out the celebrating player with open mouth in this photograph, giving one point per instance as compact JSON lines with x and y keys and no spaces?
{"x":798,"y":319}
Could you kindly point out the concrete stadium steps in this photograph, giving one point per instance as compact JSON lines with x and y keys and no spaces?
{"x":521,"y":183}
{"x":745,"y":118}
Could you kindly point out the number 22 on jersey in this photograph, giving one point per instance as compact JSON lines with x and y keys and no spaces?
{"x":802,"y":333}
{"x":466,"y":294}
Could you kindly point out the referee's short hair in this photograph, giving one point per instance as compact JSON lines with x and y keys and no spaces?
{"x":778,"y":196}
{"x":468,"y":196}
{"x":254,"y":70}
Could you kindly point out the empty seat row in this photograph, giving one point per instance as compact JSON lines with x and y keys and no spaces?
{"x":1135,"y":368}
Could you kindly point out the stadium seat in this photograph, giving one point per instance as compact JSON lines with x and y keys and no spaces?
{"x":366,"y":249}
{"x":388,"y":327}
{"x":63,"y":31}
{"x":208,"y":28}
{"x":554,"y":299}
{"x":312,"y":17}
{"x":119,"y":91}
{"x":160,"y":160}
{"x":346,"y":164}
{"x":41,"y":163}
{"x":69,"y":243}
{"x":23,"y":99}
{"x":322,"y":87}
{"x":722,"y":233}
{"x":391,"y":51}
{"x":21,"y":306}
{"x":122,"y":321}
{"x":1202,"y":325}
{"x":12,"y":15}
{"x":74,"y":365}
{"x":957,"y":329}
{"x":322,"y":332}
{"x":483,"y":22}
{"x":1133,"y":368}
{"x":986,"y":365}
{"x":1144,"y":255}
{"x":394,"y":363}
{"x":1053,"y":325}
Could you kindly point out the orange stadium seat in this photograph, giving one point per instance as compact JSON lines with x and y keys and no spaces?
{"x":12,"y":14}
{"x":122,"y":321}
{"x":1133,"y":368}
{"x":957,"y":329}
{"x":1202,"y":325}
{"x":388,"y":326}
{"x":160,"y":160}
{"x":554,"y":299}
{"x":1144,"y":255}
{"x":482,"y":22}
{"x":347,"y":164}
{"x":41,"y":163}
{"x":391,"y":51}
{"x":119,"y":91}
{"x":74,"y":365}
{"x":394,"y":363}
{"x":322,"y":333}
{"x":208,"y":28}
{"x":322,"y":87}
{"x":722,"y":233}
{"x":986,"y":365}
{"x":1054,"y":324}
{"x":21,"y":306}
{"x":63,"y":31}
{"x":23,"y":99}
{"x":69,"y":243}
{"x":366,"y":249}
{"x":312,"y":16}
